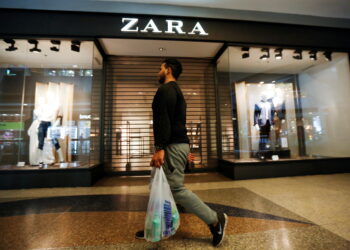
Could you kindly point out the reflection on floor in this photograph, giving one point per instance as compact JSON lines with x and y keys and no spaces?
{"x":232,"y":158}
{"x":309,"y":212}
{"x":75,"y":164}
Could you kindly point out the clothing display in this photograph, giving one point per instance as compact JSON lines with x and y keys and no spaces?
{"x":42,"y":134}
{"x":33,"y":143}
{"x":263,"y":111}
{"x":265,"y":121}
{"x":264,"y":136}
{"x":263,"y":117}
{"x":35,"y":154}
{"x":44,"y":112}
{"x":53,"y":108}
{"x":279,"y":108}
{"x":279,"y":116}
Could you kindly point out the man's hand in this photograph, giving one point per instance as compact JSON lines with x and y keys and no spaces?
{"x":158,"y":159}
{"x":190,"y":157}
{"x":257,"y":127}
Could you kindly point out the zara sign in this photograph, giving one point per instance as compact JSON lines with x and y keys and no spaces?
{"x":173,"y":27}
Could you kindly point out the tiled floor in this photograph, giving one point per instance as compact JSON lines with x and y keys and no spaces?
{"x":308,"y":212}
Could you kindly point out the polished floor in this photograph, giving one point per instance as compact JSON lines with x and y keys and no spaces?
{"x":306,"y":212}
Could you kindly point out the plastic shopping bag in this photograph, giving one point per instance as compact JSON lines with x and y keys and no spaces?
{"x":162,"y":219}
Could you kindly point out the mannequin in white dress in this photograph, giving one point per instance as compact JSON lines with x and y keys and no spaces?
{"x":48,"y":115}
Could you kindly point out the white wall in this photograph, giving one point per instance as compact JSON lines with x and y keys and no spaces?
{"x":325,"y":91}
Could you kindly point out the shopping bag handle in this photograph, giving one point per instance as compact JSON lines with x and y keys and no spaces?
{"x":159,"y":175}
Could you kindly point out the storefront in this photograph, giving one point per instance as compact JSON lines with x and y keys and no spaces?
{"x":263,"y":99}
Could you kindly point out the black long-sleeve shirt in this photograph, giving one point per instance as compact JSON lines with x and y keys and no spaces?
{"x":169,"y":116}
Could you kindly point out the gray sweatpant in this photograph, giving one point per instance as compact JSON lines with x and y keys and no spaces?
{"x":174,"y":166}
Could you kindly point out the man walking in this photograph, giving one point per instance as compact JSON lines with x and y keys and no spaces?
{"x":172,"y":148}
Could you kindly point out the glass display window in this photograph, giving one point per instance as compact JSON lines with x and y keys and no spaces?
{"x":282,"y":104}
{"x":50,"y":103}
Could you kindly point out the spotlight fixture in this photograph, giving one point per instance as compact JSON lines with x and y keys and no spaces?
{"x":246,"y":52}
{"x":35,"y":49}
{"x":313,"y":55}
{"x":298,"y":54}
{"x":75,"y":46}
{"x":328,"y":55}
{"x":55,"y":48}
{"x":265,"y":56}
{"x":278,"y":54}
{"x":12,"y":46}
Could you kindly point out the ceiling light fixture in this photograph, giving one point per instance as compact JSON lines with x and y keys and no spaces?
{"x":298,"y":54}
{"x":246,"y":52}
{"x":35,"y":49}
{"x":278,"y":54}
{"x":12,"y":46}
{"x":161,"y":49}
{"x":75,"y":46}
{"x":265,"y":56}
{"x":328,"y":55}
{"x":55,"y":48}
{"x":313,"y":55}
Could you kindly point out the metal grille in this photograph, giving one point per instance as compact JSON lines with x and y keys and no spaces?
{"x":131,"y":83}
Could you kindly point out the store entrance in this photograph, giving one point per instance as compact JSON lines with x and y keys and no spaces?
{"x":131,"y":82}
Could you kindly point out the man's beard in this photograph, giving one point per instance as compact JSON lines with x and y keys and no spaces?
{"x":162,"y":79}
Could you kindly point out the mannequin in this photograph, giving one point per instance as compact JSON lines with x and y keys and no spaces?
{"x":279,"y":105}
{"x":33,"y":143}
{"x":47,"y":155}
{"x":47,"y":114}
{"x":263,"y":120}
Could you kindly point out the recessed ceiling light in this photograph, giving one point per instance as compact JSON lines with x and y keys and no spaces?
{"x":162,"y":49}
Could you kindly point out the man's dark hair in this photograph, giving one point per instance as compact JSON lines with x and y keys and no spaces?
{"x":175,"y":66}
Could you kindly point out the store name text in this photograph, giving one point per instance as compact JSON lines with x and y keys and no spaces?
{"x":173,"y":27}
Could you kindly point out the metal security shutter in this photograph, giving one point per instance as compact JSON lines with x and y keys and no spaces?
{"x":131,"y":83}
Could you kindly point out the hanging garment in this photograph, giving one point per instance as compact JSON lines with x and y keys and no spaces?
{"x":263,"y":111}
{"x":33,"y":143}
